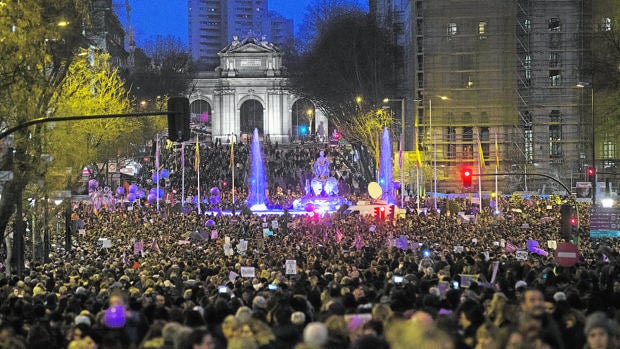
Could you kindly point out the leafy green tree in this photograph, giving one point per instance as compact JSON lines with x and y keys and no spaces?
{"x":38,"y":40}
{"x":91,"y":87}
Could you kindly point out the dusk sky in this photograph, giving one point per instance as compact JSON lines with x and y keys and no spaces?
{"x":152,"y":18}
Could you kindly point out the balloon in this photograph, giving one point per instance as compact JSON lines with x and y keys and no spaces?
{"x":155,"y":177}
{"x":309,"y":207}
{"x":195,"y":199}
{"x":140,"y":194}
{"x":120,"y":191}
{"x":153,"y":190}
{"x":133,"y":188}
{"x":114,"y":316}
{"x":215,"y":191}
{"x":160,"y":194}
{"x":165,"y":173}
{"x":151,"y":198}
{"x":93,"y":183}
{"x":210,"y":223}
{"x":131,"y":197}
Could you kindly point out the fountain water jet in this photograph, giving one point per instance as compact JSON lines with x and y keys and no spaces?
{"x":257,"y":200}
{"x":385,"y":171}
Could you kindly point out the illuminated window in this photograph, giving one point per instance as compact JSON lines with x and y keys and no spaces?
{"x":452,"y":30}
{"x":606,"y":24}
{"x":482,"y":29}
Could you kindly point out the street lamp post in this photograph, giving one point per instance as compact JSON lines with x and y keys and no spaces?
{"x":402,"y":136}
{"x":430,"y":131}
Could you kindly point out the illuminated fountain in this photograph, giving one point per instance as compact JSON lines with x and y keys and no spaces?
{"x":321,"y":191}
{"x":257,"y":200}
{"x":385,"y":168}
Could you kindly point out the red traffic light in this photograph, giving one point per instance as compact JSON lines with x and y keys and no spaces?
{"x":466,"y":175}
{"x":591,"y":172}
{"x":573,"y":221}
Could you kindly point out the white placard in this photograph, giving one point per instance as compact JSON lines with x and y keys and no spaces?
{"x":82,"y":232}
{"x":552,"y":244}
{"x":291,"y":267}
{"x":247,"y":272}
{"x":227,"y":240}
{"x":458,"y":249}
{"x":522,"y":255}
{"x":274,"y":224}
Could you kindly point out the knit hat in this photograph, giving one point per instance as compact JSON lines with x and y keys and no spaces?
{"x":559,"y":296}
{"x":520,"y":284}
{"x":600,"y":320}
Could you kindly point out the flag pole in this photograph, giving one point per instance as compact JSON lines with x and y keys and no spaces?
{"x":402,"y":175}
{"x":435,"y":171}
{"x":197,"y":168}
{"x":497,"y":208}
{"x":157,"y":167}
{"x":182,"y":174}
{"x":480,"y":158}
{"x":232,"y":164}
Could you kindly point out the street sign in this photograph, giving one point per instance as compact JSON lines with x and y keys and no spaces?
{"x":566,"y":254}
{"x":605,"y":222}
{"x":6,"y":176}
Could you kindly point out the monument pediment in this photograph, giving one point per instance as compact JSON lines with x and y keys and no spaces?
{"x":250,"y":45}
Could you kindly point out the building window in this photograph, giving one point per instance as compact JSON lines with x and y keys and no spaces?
{"x":527,"y":25}
{"x":451,"y":29}
{"x":555,"y":25}
{"x":555,"y":78}
{"x":606,"y":24}
{"x":554,"y":116}
{"x":554,"y":59}
{"x":555,"y":137}
{"x":451,"y":146}
{"x":609,"y":150}
{"x":467,"y":118}
{"x":528,"y":67}
{"x":468,"y":138}
{"x":482,"y":30}
{"x":484,"y":117}
{"x":484,"y":141}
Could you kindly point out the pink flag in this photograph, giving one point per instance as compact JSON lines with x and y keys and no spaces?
{"x":338,"y":235}
{"x":138,"y":247}
{"x":510,"y":247}
{"x":155,"y":246}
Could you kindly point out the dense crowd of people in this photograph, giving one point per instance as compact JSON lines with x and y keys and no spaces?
{"x":137,"y":277}
{"x":344,"y":290}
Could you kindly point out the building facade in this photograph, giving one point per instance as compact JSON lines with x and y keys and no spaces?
{"x":106,"y":33}
{"x":249,"y":90}
{"x":214,"y":23}
{"x":509,"y":74}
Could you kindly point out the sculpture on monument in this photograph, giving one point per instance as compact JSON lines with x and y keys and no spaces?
{"x":322,"y":184}
{"x":322,"y":190}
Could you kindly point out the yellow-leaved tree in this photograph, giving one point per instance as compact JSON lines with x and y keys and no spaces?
{"x":91,"y":87}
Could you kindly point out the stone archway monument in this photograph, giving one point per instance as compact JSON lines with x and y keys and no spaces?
{"x":250,"y":76}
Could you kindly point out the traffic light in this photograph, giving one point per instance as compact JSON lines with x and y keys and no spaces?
{"x":591,"y":172}
{"x":466,"y":175}
{"x":568,"y":227}
{"x":178,"y":119}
